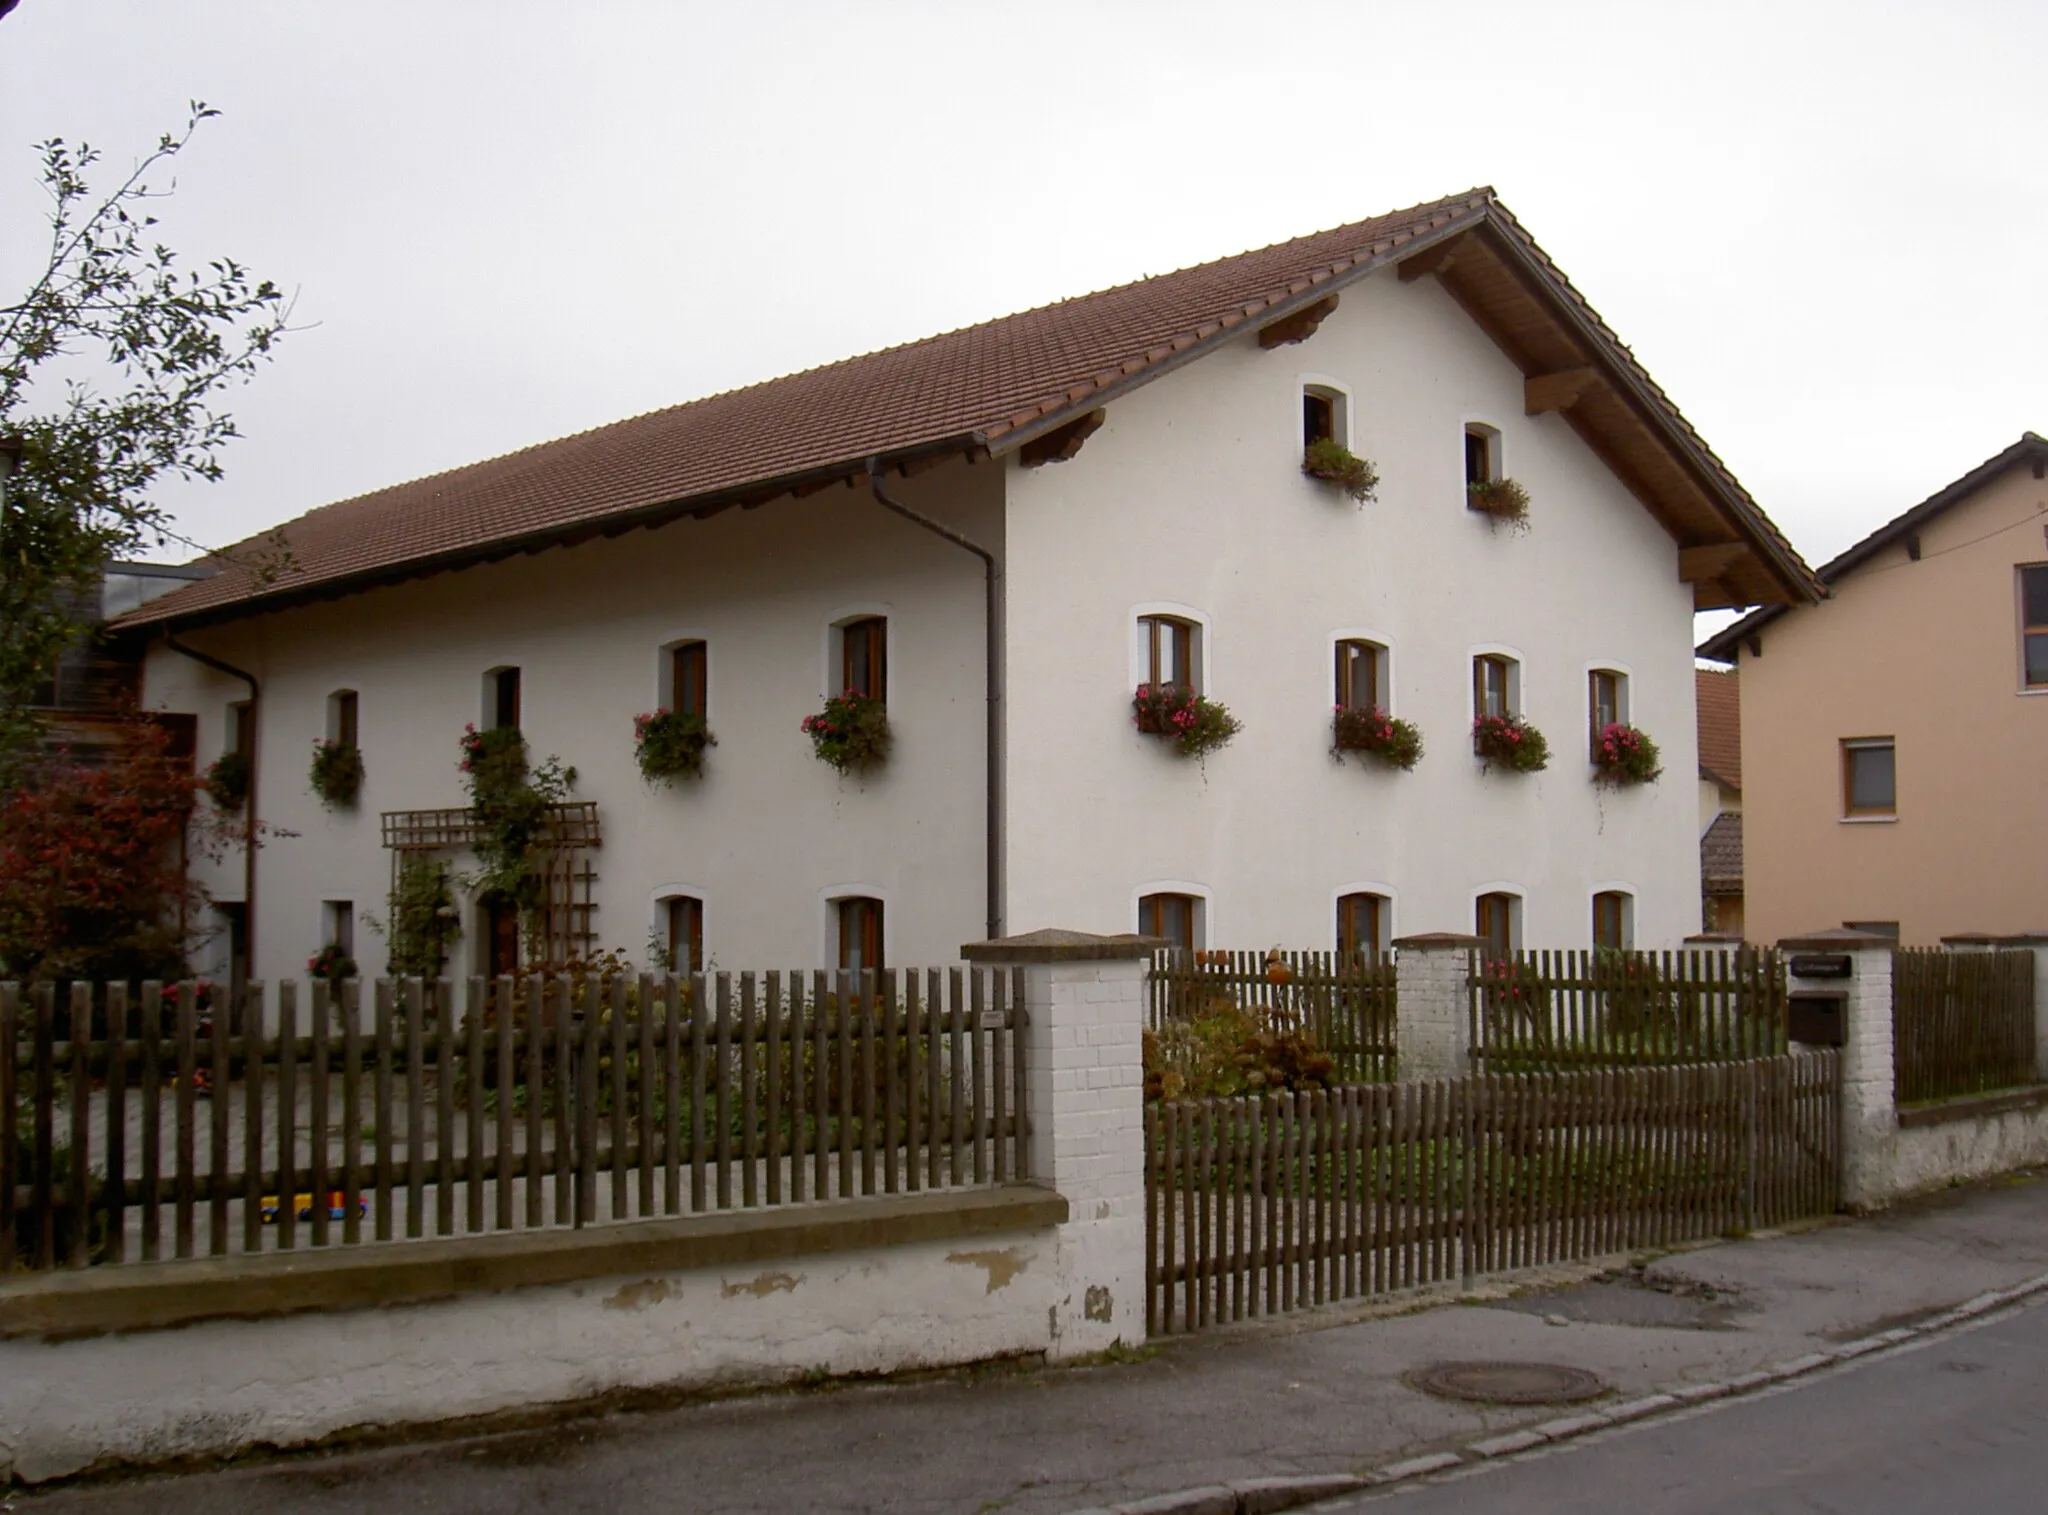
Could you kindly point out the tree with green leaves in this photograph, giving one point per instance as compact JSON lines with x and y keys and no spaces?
{"x":113,"y":365}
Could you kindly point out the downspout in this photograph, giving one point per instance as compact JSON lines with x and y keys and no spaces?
{"x":255,"y":769}
{"x":992,"y":679}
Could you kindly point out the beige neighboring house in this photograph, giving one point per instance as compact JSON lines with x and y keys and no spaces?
{"x":1717,"y":696}
{"x":1895,"y":735}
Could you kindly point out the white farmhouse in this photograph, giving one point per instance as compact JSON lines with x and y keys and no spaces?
{"x":1130,"y":465}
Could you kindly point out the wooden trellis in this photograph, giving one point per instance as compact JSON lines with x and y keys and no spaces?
{"x":566,"y":923}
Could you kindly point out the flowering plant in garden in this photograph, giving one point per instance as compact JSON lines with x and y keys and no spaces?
{"x":331,"y":963}
{"x":1224,"y":1048}
{"x":1623,"y":755}
{"x":494,"y":761}
{"x":851,"y":732}
{"x":337,"y":774}
{"x":1503,"y":499}
{"x":1334,"y":463}
{"x":1195,"y":726}
{"x":1394,"y":742}
{"x":1510,"y":741}
{"x":1515,"y":988}
{"x":227,"y":780}
{"x":670,"y":744}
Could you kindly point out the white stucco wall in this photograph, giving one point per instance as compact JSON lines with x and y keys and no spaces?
{"x":1967,"y":1149}
{"x":217,"y":1387}
{"x":768,"y":833}
{"x":1191,"y":494}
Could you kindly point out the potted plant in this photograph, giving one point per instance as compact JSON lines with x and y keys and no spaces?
{"x":331,"y":963}
{"x":669,"y":744}
{"x":851,"y":732}
{"x":337,"y":774}
{"x":1503,"y":500}
{"x":1371,"y":730}
{"x":1196,"y":726}
{"x":227,"y":781}
{"x":1334,"y":463}
{"x":1624,"y":755}
{"x":494,"y":760}
{"x":1511,"y":742}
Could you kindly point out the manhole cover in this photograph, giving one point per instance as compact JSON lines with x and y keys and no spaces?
{"x":1508,"y":1383}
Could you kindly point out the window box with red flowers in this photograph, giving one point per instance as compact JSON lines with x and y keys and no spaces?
{"x":669,"y":744}
{"x":1511,"y":742}
{"x":1175,"y":713}
{"x":337,"y":773}
{"x":1371,"y":730}
{"x":331,"y":963}
{"x":1624,"y":755}
{"x":851,"y":732}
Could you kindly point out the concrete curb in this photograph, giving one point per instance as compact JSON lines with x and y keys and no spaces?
{"x":1273,"y":1494}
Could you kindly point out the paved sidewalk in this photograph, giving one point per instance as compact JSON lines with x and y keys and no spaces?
{"x":1320,"y":1392}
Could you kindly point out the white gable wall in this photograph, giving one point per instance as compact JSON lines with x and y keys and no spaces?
{"x":1191,"y":494}
{"x":769,"y":830}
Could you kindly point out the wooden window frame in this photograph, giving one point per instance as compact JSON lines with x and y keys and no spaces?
{"x":1318,"y":416}
{"x":1612,"y":906}
{"x":2030,"y":628}
{"x":1850,"y":747}
{"x":689,"y":678}
{"x":507,"y":694}
{"x":1375,"y":661}
{"x":1482,"y":444}
{"x":1617,"y":688}
{"x":1348,"y":941}
{"x":344,"y":718}
{"x":1152,"y":919}
{"x":683,"y":915}
{"x":873,"y":632}
{"x":865,"y":914}
{"x":242,"y":728}
{"x":1481,"y":662}
{"x":1482,"y":906}
{"x":339,"y":928}
{"x":1186,"y":638}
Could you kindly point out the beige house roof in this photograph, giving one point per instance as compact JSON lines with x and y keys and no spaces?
{"x":999,"y":387}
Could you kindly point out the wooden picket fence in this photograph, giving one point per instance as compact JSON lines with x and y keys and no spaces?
{"x":1962,"y":1023}
{"x":1543,"y":1012}
{"x":1257,"y":1205}
{"x":139,"y":1127}
{"x":1346,"y":1001}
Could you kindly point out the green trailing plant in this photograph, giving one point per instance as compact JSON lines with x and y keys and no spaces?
{"x":669,"y":744}
{"x":227,"y":780}
{"x":1503,"y":499}
{"x":337,"y":773}
{"x":1511,"y":742}
{"x":1334,"y":463}
{"x":851,"y":732}
{"x":1393,"y":741}
{"x":421,"y":920}
{"x":1175,"y":713}
{"x":510,"y":800}
{"x":1624,"y":755}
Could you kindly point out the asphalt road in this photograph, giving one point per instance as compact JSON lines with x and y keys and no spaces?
{"x":1954,"y":1424}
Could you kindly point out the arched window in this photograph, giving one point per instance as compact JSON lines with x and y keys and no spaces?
{"x":864,"y":657}
{"x":1173,"y":651}
{"x":1482,"y":454}
{"x":687,"y":685}
{"x":1361,"y":675}
{"x":859,"y":921}
{"x":1606,"y":702}
{"x":682,"y":928}
{"x":501,"y":697}
{"x":1497,"y":921}
{"x":1177,"y":917}
{"x":341,"y":718}
{"x":1323,"y":415}
{"x":1362,"y":922}
{"x":1496,"y":685}
{"x":1614,"y":919}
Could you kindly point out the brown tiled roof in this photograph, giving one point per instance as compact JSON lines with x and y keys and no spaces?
{"x":1720,"y":726}
{"x":986,"y":388}
{"x":1721,"y":854}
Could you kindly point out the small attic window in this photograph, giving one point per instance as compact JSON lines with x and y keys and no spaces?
{"x":1318,"y":416}
{"x":1482,"y":455}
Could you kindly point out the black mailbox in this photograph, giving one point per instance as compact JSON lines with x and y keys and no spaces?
{"x":1817,"y":1017}
{"x":1819,"y":965}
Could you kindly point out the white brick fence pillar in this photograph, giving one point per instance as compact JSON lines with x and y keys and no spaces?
{"x":1870,"y":1111}
{"x":1084,"y":998}
{"x":1433,"y":1006}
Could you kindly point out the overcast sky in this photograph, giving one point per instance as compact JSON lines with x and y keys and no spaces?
{"x":1820,"y":225}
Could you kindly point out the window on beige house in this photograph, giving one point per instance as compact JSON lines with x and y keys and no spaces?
{"x":1869,"y":777}
{"x":2034,"y":624}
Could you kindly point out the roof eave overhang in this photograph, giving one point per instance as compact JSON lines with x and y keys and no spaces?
{"x":753,"y":494}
